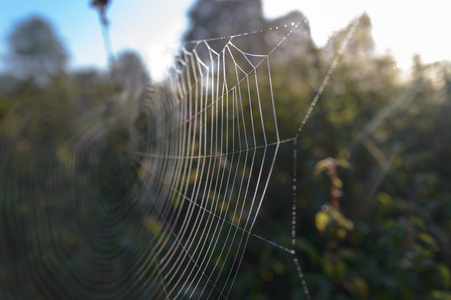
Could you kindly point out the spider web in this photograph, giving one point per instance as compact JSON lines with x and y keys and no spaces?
{"x":201,"y":157}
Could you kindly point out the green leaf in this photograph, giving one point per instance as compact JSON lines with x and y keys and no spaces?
{"x":428,"y":239}
{"x":441,"y":295}
{"x":322,"y":219}
{"x":446,"y":275}
{"x":360,"y":287}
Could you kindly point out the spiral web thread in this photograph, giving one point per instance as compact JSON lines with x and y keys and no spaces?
{"x":203,"y":159}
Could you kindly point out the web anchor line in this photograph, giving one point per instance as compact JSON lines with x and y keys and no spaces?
{"x":294,"y":220}
{"x":296,"y":137}
{"x":293,"y":26}
{"x":329,"y":73}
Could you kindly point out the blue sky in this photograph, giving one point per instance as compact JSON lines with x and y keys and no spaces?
{"x":74,"y":21}
{"x":147,"y":26}
{"x":154,"y":27}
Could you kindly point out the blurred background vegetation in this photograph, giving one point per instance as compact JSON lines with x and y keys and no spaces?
{"x":374,"y":174}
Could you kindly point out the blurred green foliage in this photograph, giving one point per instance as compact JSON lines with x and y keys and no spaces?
{"x":378,"y":227}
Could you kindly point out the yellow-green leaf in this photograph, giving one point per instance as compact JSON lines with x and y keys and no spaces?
{"x":322,"y":220}
{"x":428,"y":239}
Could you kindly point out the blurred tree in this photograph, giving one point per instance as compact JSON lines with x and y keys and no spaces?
{"x":213,"y":19}
{"x":133,"y":80}
{"x":35,"y":51}
{"x":131,"y":70}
